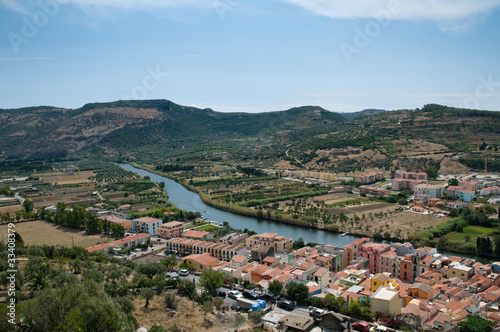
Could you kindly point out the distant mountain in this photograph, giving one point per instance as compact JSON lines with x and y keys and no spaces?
{"x":361,"y":114}
{"x":126,"y":126}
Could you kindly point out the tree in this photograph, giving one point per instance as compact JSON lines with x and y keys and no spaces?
{"x":275,"y":287}
{"x":207,"y":307}
{"x":28,"y":205}
{"x":186,"y":288}
{"x":476,"y":324}
{"x":210,"y":281}
{"x":170,"y":301}
{"x":297,"y":292}
{"x":333,"y":303}
{"x":256,"y":316}
{"x":496,"y":251}
{"x":147,"y":294}
{"x":432,"y":171}
{"x":113,"y":273}
{"x":218,"y":302}
{"x":299,"y":243}
{"x":83,"y":306}
{"x":453,"y":182}
{"x":169,"y":262}
{"x":157,"y":328}
{"x":239,"y":320}
{"x":150,"y":269}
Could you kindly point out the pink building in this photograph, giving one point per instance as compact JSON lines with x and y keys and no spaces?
{"x":468,"y":185}
{"x":386,"y":260}
{"x":373,"y":252}
{"x":369,"y":177}
{"x":407,"y":180}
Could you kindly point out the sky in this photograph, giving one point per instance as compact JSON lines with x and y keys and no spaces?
{"x":251,"y":55}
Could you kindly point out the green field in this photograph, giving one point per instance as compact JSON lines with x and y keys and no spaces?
{"x":207,"y":228}
{"x":472,"y":231}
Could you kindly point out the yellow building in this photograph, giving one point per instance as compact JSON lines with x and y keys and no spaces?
{"x":201,"y":262}
{"x":382,"y":279}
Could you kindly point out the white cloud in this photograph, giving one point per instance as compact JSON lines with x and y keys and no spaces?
{"x":13,"y":5}
{"x":443,"y":11}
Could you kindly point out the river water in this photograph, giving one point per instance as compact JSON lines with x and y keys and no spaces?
{"x":191,"y":201}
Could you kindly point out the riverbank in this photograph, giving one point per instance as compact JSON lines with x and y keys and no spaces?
{"x":242,"y":211}
{"x":190,"y":200}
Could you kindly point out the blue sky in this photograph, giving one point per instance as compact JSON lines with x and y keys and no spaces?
{"x":251,"y":55}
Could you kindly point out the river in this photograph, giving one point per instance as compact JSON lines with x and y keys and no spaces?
{"x":191,"y":201}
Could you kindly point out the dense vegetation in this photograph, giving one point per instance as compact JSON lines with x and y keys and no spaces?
{"x":464,"y":221}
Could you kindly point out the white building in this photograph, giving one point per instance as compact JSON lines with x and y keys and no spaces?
{"x":147,"y":225}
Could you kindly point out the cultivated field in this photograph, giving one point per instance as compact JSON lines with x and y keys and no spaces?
{"x":11,"y":209}
{"x":405,"y":221}
{"x":69,"y":178}
{"x":68,"y":199}
{"x":41,"y":232}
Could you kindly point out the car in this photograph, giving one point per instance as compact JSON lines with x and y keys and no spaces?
{"x":234,"y":294}
{"x":285,"y":304}
{"x":378,"y":328}
{"x":361,"y":326}
{"x":222,"y":293}
{"x":184,"y":272}
{"x":236,"y":307}
{"x":317,"y":310}
{"x":250,"y":295}
{"x":267,"y":296}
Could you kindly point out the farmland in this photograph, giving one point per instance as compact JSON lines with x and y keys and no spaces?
{"x":40,"y":232}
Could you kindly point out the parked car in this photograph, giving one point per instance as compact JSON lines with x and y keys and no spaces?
{"x":235,"y":307}
{"x":285,"y":304}
{"x":234,"y":294}
{"x":222,"y":293}
{"x":184,"y":272}
{"x":250,"y":295}
{"x":379,"y":328}
{"x":361,"y":326}
{"x":267,"y":296}
{"x":318,"y":312}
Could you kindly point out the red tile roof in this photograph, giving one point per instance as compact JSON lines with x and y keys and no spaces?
{"x":98,"y":247}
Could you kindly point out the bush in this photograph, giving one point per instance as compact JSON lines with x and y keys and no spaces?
{"x":170,"y":301}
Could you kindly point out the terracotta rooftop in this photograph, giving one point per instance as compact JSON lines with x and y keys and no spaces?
{"x":98,"y":247}
{"x":238,"y":258}
{"x":195,"y":234}
{"x":147,"y":220}
{"x":131,"y":238}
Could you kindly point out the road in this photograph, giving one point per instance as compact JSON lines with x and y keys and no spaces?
{"x":296,"y":160}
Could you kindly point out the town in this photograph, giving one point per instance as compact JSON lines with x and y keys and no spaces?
{"x":408,"y":287}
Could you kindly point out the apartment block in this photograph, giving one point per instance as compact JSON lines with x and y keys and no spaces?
{"x":125,"y":223}
{"x":378,"y":191}
{"x":131,"y":241}
{"x":469,"y":185}
{"x":147,"y":225}
{"x":373,"y":252}
{"x":431,"y":190}
{"x":223,"y":252}
{"x":407,"y":181}
{"x":270,"y":240}
{"x":369,"y":177}
{"x":171,"y":229}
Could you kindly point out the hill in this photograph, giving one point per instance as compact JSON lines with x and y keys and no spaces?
{"x":161,"y":131}
{"x":123,"y":126}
